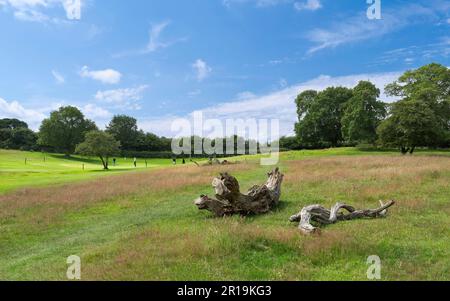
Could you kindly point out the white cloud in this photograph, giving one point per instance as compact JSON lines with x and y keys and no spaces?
{"x":360,"y":28}
{"x":258,"y":3}
{"x":277,"y":105}
{"x":245,"y":95}
{"x":35,"y":10}
{"x":93,"y":111}
{"x":123,"y":98}
{"x":58,"y":77}
{"x":194,"y":93}
{"x":421,"y":54}
{"x":155,"y":43}
{"x":202,"y":69}
{"x":308,"y":5}
{"x":107,"y":76}
{"x":14,"y":109}
{"x":155,"y":32}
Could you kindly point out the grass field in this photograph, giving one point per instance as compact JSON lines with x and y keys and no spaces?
{"x":25,"y":169}
{"x":143,"y":225}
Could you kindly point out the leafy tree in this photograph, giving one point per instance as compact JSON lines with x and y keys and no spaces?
{"x":125,"y":130}
{"x":11,"y":124}
{"x":65,"y":129}
{"x":15,"y":134}
{"x":289,"y":143}
{"x":429,"y":88}
{"x":363,"y":114}
{"x":100,"y":144}
{"x":412,"y":123}
{"x":320,"y":116}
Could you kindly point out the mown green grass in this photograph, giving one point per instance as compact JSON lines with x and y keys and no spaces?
{"x":26,"y":169}
{"x":157,"y":234}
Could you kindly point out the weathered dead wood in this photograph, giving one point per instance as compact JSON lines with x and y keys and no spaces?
{"x":229,"y":200}
{"x":322,"y":216}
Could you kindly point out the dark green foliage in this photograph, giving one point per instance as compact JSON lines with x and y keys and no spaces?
{"x":320,"y":116}
{"x":65,"y":129}
{"x":422,"y":116}
{"x":362,"y":114}
{"x":125,"y":130}
{"x":289,"y":143}
{"x":15,"y":134}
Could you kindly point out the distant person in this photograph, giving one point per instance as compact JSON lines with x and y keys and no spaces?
{"x":184,"y":161}
{"x":174,"y":161}
{"x":135,"y":162}
{"x":114,"y":161}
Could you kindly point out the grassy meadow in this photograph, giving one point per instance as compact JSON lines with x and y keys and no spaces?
{"x":142,"y":224}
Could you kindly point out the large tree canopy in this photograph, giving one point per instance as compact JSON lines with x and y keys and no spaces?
{"x":320,"y":116}
{"x":15,"y":134}
{"x":65,"y":129}
{"x":125,"y":130}
{"x":100,"y":144}
{"x":422,"y":116}
{"x":363,"y":114}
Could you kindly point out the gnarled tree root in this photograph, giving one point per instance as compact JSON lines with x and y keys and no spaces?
{"x":229,"y":200}
{"x":322,"y":216}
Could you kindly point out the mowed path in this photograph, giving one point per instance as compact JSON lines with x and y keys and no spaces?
{"x":143,"y":226}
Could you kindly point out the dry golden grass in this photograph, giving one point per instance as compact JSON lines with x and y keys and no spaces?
{"x":368,"y":179}
{"x":351,"y":168}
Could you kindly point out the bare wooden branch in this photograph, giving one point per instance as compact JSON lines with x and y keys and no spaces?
{"x":322,"y":216}
{"x":229,"y":200}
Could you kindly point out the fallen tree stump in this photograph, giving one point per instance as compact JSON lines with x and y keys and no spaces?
{"x":322,"y":216}
{"x":229,"y":200}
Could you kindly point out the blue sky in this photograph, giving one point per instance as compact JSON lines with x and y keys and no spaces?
{"x":159,"y":60}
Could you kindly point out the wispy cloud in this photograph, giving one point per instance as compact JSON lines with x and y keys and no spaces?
{"x":155,"y":41}
{"x":58,"y":77}
{"x":258,"y":3}
{"x":416,"y":53}
{"x":308,"y":5}
{"x":154,"y":34}
{"x":202,"y":69}
{"x":107,"y":76}
{"x":360,"y":28}
{"x":127,"y":98}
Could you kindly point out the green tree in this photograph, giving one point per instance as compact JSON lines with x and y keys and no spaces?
{"x":65,"y":129}
{"x":125,"y":130}
{"x":289,"y":143}
{"x":100,"y":144}
{"x":412,"y":123}
{"x":320,"y":116}
{"x":8,"y":123}
{"x":362,"y":114}
{"x":429,"y":88}
{"x":15,"y":134}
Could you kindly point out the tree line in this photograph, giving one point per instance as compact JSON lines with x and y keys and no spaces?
{"x":67,"y":127}
{"x":339,"y":116}
{"x":336,"y":116}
